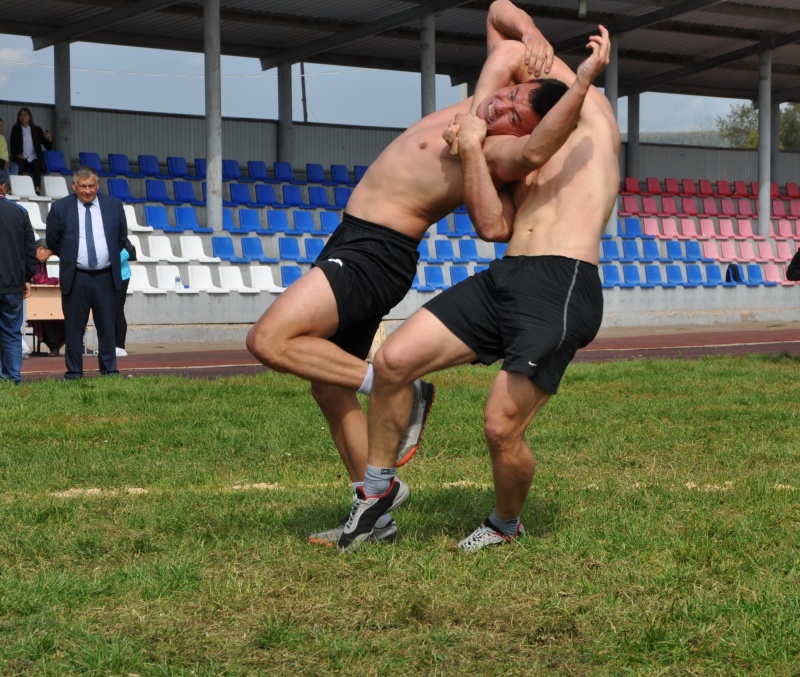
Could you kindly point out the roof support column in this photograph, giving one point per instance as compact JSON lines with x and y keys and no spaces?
{"x":775,"y":144}
{"x":285,"y":126}
{"x":611,"y":79}
{"x":63,"y":88}
{"x":427,"y":38}
{"x":632,"y":154}
{"x":764,"y":140}
{"x":213,"y":83}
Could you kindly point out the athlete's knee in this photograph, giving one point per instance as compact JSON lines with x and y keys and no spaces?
{"x":391,"y":366}
{"x":267,"y":347}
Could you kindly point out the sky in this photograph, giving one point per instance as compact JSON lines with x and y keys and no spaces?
{"x":130,"y":78}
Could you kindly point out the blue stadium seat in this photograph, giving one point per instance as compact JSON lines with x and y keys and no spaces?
{"x":240,"y":195}
{"x":277,"y":222}
{"x":650,"y":252}
{"x":755,"y":277}
{"x":715,"y":277}
{"x":443,"y":228}
{"x":340,"y":196}
{"x":119,"y":188}
{"x":314,"y":246}
{"x":468,"y":253}
{"x":315,"y":173}
{"x":674,"y":276}
{"x":222,"y":246}
{"x":231,"y":171}
{"x":227,"y":221}
{"x":155,"y":190}
{"x":155,"y":216}
{"x":184,"y":193}
{"x":418,"y":286}
{"x":694,"y":252}
{"x":119,"y":165}
{"x":674,"y":251}
{"x":186,"y":219}
{"x":177,"y":167}
{"x":55,"y":163}
{"x":149,"y":166}
{"x":250,"y":220}
{"x":359,"y":171}
{"x":93,"y":160}
{"x":293,"y":197}
{"x":340,"y":176}
{"x":318,"y":198}
{"x":632,"y":228}
{"x":434,"y":277}
{"x":329,"y":221}
{"x":611,"y":276}
{"x":630,"y":251}
{"x":200,"y":166}
{"x":694,"y":276}
{"x":630,"y":276}
{"x":462,"y":226}
{"x":285,"y":174}
{"x":425,"y":254}
{"x":265,"y":197}
{"x":289,"y":250}
{"x":609,"y":251}
{"x":257,"y":171}
{"x":253,"y":249}
{"x":458,"y":274}
{"x":500,"y":249}
{"x":444,"y":250}
{"x":652,"y":276}
{"x":290,"y":273}
{"x":303,"y":222}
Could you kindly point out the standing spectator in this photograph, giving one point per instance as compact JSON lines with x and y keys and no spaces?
{"x":5,"y":162}
{"x":26,"y":143}
{"x":88,"y":232}
{"x":120,"y":322}
{"x":17,"y":266}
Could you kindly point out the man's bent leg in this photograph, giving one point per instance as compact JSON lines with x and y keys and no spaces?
{"x":292,"y":335}
{"x":348,"y":426}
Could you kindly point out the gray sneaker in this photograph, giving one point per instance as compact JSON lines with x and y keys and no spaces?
{"x":331,"y":537}
{"x":487,"y":535}
{"x":420,"y":408}
{"x":367,"y":510}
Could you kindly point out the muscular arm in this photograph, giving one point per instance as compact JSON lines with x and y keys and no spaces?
{"x":504,"y":21}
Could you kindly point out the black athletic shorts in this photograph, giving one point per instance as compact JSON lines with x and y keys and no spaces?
{"x":370,"y":269}
{"x":533,"y":312}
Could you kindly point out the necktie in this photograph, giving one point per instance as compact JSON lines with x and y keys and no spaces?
{"x":90,"y":251}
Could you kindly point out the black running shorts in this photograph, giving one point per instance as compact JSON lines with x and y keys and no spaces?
{"x":533,"y":312}
{"x":370,"y":269}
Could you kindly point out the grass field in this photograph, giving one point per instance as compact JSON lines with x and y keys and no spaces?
{"x":157,"y":526}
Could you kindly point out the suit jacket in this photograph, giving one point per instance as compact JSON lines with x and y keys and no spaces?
{"x":63,"y":235}
{"x":17,"y":248}
{"x":37,"y":135}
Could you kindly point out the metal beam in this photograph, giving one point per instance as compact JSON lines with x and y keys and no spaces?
{"x":364,"y":30}
{"x":75,"y":30}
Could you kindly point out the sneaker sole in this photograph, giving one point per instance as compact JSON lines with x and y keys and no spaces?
{"x":414,"y":450}
{"x":389,"y":538}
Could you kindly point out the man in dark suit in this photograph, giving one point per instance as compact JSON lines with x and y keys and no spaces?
{"x":88,"y":231}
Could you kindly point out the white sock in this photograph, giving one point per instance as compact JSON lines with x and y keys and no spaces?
{"x":366,"y":386}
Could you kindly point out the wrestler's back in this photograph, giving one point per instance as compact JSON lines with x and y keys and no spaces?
{"x":415,"y":181}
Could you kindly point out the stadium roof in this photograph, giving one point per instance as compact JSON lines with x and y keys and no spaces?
{"x":696,"y":47}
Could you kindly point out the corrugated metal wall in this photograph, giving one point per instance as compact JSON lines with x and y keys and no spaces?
{"x":105,"y":131}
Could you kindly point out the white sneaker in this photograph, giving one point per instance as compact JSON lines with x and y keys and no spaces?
{"x":121,"y":352}
{"x":487,"y":535}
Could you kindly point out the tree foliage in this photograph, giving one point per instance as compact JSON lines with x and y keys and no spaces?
{"x":740,"y":127}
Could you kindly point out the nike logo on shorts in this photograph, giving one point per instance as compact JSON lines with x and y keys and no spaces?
{"x":339,"y":261}
{"x":531,"y":364}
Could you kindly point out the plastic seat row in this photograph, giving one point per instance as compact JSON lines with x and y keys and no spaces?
{"x":177,"y":167}
{"x":708,"y":207}
{"x":667,"y":229}
{"x":750,"y":275}
{"x":703,"y":188}
{"x":168,"y":278}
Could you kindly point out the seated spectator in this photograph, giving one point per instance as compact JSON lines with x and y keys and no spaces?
{"x":26,"y":144}
{"x":50,"y":332}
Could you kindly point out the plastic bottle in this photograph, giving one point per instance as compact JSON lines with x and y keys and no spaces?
{"x":178,"y":284}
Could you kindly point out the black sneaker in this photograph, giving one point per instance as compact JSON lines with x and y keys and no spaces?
{"x":420,"y":408}
{"x":366,"y":512}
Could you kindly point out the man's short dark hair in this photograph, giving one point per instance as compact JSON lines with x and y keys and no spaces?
{"x":546,"y":95}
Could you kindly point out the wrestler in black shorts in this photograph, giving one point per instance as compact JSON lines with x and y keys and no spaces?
{"x":370,"y":269}
{"x":533,"y":312}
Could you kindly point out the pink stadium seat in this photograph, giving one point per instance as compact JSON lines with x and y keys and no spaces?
{"x":745,"y":228}
{"x":705,"y":188}
{"x":726,"y":231}
{"x":710,"y":250}
{"x":779,"y":210}
{"x":652,"y":186}
{"x":669,"y":229}
{"x":668,"y":206}
{"x":728,"y":251}
{"x":745,"y":208}
{"x":650,"y":227}
{"x":784,"y":231}
{"x":774,"y":273}
{"x":671,"y":187}
{"x":727,"y":207}
{"x":765,"y":253}
{"x":707,"y":230}
{"x":688,"y":230}
{"x":723,"y":188}
{"x":746,"y":252}
{"x":785,"y":251}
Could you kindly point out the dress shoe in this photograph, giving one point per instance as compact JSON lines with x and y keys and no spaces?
{"x":53,"y":353}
